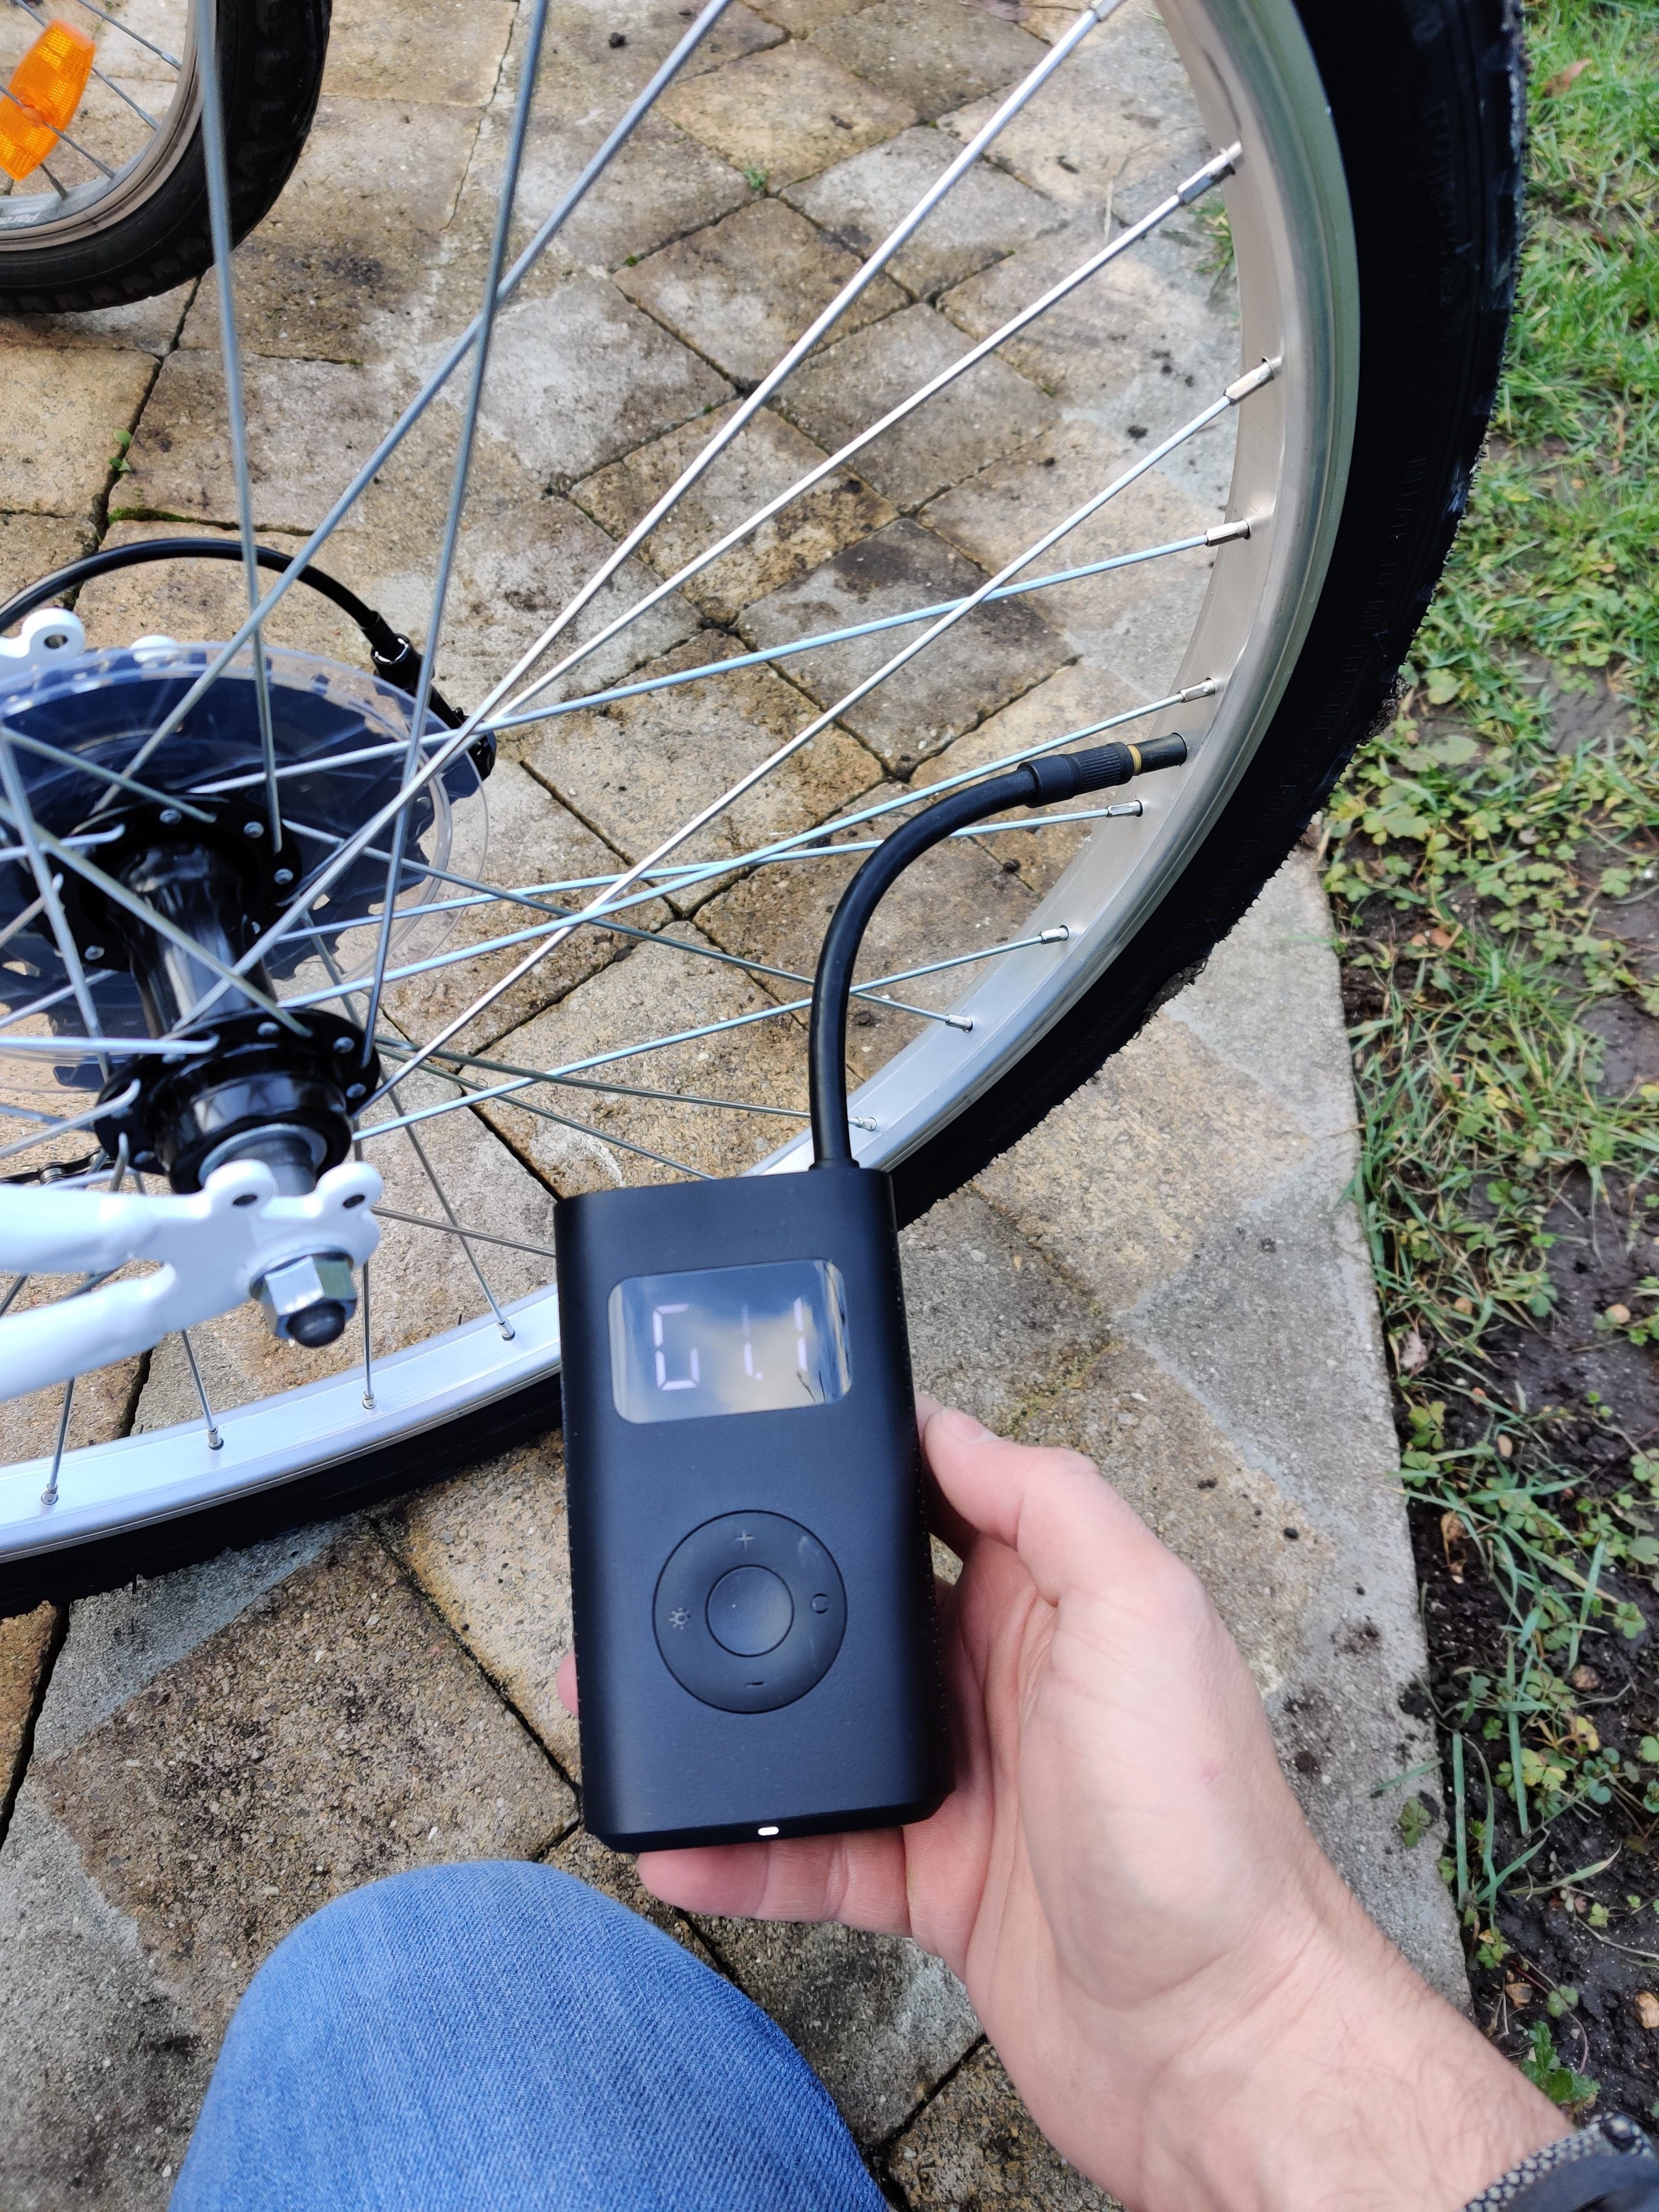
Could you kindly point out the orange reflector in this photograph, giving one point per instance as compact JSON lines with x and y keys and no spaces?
{"x":45,"y":89}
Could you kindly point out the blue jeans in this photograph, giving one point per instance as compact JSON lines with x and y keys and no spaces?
{"x":500,"y":2035}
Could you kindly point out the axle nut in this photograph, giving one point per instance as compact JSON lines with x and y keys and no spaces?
{"x":309,"y":1301}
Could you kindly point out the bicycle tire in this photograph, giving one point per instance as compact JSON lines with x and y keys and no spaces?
{"x":150,"y":231}
{"x":1436,"y":243}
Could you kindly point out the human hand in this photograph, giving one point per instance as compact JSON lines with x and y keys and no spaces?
{"x":1193,"y":2007}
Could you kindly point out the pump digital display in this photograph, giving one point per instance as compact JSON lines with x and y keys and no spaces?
{"x":755,"y":1340}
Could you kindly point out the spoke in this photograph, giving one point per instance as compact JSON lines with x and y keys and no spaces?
{"x":861,"y":279}
{"x":40,"y":1006}
{"x":100,"y":1048}
{"x":871,"y":989}
{"x":74,"y":1121}
{"x":369,"y":1349}
{"x":1198,"y":184}
{"x":798,"y":847}
{"x":22,"y":821}
{"x":393,"y":747}
{"x":115,"y":24}
{"x":442,"y":1197}
{"x":49,"y":1495}
{"x":1232,"y":396}
{"x":542,"y":1113}
{"x":5,"y":1303}
{"x":218,"y":183}
{"x":486,"y":321}
{"x":612,"y":1090}
{"x":73,"y":143}
{"x":1217,"y":536}
{"x":40,"y":746}
{"x":592,"y":170}
{"x":455,"y":1229}
{"x":870,"y":269}
{"x":216,"y":1442}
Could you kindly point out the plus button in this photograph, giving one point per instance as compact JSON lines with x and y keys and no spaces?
{"x":743,"y":1538}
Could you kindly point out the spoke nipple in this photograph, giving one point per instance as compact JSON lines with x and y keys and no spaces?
{"x":1056,"y":936}
{"x":216,"y":1442}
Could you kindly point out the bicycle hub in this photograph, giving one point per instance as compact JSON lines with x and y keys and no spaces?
{"x":247,"y":1083}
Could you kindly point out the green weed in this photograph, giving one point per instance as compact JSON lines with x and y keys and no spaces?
{"x":1474,"y":862}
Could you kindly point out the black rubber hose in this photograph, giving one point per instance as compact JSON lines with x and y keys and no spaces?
{"x":395,"y":660}
{"x":1062,"y":775}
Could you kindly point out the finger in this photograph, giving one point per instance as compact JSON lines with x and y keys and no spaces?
{"x":1069,"y":1527}
{"x":565,"y":1682}
{"x":858,"y":1879}
{"x":942,"y":1517}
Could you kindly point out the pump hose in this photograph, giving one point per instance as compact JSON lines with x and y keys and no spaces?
{"x":1062,"y":775}
{"x":395,"y":660}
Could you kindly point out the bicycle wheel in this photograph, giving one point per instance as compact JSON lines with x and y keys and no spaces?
{"x":979,"y":572}
{"x":117,"y":209}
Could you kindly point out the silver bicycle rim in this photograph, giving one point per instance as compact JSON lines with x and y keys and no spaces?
{"x":105,"y":174}
{"x":1254,"y":79}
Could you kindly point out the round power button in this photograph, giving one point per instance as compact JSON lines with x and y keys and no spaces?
{"x":749,"y":1612}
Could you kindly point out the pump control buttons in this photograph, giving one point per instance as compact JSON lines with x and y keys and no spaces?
{"x":749,"y":1612}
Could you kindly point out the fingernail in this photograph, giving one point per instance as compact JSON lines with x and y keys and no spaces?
{"x":971,"y":1431}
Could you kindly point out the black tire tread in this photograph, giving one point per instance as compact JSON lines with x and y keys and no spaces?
{"x":271,"y":65}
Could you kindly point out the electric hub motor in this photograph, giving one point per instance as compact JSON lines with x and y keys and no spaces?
{"x":185,"y":834}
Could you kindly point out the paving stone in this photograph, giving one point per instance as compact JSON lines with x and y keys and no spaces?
{"x":421,"y":1282}
{"x":490,"y":1552}
{"x":105,"y":2069}
{"x":123,"y":1640}
{"x":743,"y":291}
{"x":976,"y":2144}
{"x":659,"y":185}
{"x":638,"y":768}
{"x":532,"y":840}
{"x":582,"y":376}
{"x":954,"y":897}
{"x":444,"y":51}
{"x":767,"y":457}
{"x":523,"y":553}
{"x":32,"y":545}
{"x":658,"y":990}
{"x":330,"y":1735}
{"x":180,"y":458}
{"x":1173,"y":1169}
{"x":992,"y":1324}
{"x":1135,"y":622}
{"x":148,"y":326}
{"x":610,"y":1873}
{"x":984,"y":215}
{"x":1202,"y":1493}
{"x":207,"y":599}
{"x":1072,"y":699}
{"x":986,"y":658}
{"x":799,"y":17}
{"x":581,"y":31}
{"x":1115,"y":125}
{"x":339,"y":270}
{"x":785,"y":113}
{"x":933,"y":53}
{"x":1139,"y":348}
{"x":103,"y":1403}
{"x":989,"y":411}
{"x":26,"y":1651}
{"x":879,"y":2020}
{"x":62,"y":414}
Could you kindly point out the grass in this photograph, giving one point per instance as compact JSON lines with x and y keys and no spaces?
{"x":1477,"y":869}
